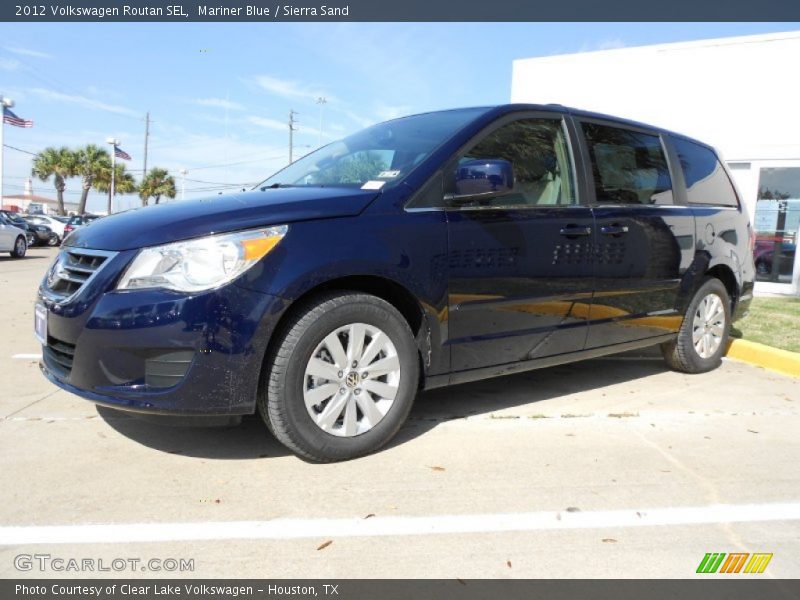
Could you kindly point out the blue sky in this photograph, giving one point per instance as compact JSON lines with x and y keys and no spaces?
{"x":219,"y":94}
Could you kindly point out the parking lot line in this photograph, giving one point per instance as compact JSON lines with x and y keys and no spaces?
{"x":396,"y":526}
{"x":27,"y":356}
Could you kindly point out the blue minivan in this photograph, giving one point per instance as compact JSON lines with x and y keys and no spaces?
{"x":429,"y":250}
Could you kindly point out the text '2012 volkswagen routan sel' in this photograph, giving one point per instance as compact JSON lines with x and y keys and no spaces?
{"x":429,"y":250}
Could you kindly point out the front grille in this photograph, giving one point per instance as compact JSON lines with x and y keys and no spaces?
{"x":72,"y":269}
{"x":58,"y":356}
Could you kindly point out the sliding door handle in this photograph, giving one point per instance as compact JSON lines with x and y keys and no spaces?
{"x":574,"y":231}
{"x":615,"y":230}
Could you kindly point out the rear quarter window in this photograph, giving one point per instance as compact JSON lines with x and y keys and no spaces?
{"x":706,"y":179}
{"x":629,"y":167}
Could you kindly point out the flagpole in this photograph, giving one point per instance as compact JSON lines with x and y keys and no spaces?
{"x":114,"y":143}
{"x":5,"y":102}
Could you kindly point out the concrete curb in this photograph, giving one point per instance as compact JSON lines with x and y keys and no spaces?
{"x":774,"y":359}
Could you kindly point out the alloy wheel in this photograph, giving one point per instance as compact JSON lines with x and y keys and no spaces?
{"x":351,"y":380}
{"x":708,"y":326}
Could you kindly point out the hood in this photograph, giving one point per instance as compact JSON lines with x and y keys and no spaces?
{"x":164,"y":223}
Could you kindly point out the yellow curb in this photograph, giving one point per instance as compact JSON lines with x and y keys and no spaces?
{"x":774,"y":359}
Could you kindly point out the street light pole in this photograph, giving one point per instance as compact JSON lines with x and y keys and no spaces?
{"x":114,"y":143}
{"x":292,"y":129}
{"x":183,"y":173}
{"x":4,"y":103}
{"x":321,"y":100}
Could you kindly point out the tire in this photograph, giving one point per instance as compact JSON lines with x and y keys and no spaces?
{"x":358,"y":421}
{"x":697,"y":348}
{"x":20,"y":247}
{"x":30,"y":240}
{"x":53,"y":240}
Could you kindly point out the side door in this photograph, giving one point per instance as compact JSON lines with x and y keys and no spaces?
{"x":520,"y":262}
{"x":644,"y":239}
{"x":8,"y":234}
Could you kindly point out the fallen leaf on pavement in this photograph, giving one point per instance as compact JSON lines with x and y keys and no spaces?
{"x":324,"y":545}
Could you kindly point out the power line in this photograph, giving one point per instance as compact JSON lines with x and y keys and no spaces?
{"x":21,"y":150}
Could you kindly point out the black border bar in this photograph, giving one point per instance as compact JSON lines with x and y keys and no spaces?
{"x":714,"y":587}
{"x":274,"y":11}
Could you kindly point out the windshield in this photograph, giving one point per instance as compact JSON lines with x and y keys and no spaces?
{"x":381,"y":155}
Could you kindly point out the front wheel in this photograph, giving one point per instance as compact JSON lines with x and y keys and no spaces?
{"x":20,"y":248}
{"x":53,"y":240}
{"x":703,"y":336}
{"x":341,"y":379}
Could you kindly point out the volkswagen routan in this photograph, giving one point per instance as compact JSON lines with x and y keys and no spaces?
{"x":425,"y":251}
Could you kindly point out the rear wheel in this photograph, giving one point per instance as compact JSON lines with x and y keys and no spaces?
{"x":342,"y":378}
{"x":20,"y":247}
{"x":53,"y":240}
{"x":703,"y":336}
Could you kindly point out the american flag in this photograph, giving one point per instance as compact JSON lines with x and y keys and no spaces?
{"x":12,"y":119}
{"x":119,"y":153}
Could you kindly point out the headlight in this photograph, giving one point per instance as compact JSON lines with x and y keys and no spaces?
{"x":200,"y":264}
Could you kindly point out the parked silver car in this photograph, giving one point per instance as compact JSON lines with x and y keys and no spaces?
{"x":12,"y":238}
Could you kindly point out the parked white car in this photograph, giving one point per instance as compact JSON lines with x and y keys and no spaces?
{"x":12,"y":238}
{"x":54,"y":223}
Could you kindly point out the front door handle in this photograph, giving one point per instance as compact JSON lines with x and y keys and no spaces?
{"x":615,"y":230}
{"x":574,"y":231}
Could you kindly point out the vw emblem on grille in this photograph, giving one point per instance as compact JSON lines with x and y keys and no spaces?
{"x":352,"y":379}
{"x":56,"y":271}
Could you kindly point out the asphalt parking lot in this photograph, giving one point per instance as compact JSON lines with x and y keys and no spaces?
{"x":607,"y":468}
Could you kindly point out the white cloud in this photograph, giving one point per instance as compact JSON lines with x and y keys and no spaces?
{"x":219,"y":103}
{"x":605,"y":44}
{"x":268,"y":123}
{"x":386,"y":112}
{"x":9,"y":64}
{"x":28,"y":52}
{"x":289,"y":89}
{"x":83,"y":101}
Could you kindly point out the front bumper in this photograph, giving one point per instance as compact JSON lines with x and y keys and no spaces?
{"x":161,"y":352}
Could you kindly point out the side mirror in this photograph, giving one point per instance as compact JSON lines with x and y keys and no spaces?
{"x":482,"y":178}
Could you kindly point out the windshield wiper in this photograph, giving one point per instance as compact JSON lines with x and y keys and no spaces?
{"x":275,"y":186}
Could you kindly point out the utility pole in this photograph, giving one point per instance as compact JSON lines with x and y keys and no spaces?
{"x":292,"y":129}
{"x":321,"y":100}
{"x":146,"y":138}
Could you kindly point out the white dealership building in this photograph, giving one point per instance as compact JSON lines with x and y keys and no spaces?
{"x":740,"y":94}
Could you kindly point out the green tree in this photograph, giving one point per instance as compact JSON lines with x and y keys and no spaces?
{"x":158,"y":182}
{"x":58,"y":163}
{"x":124,"y":183}
{"x":89,"y":162}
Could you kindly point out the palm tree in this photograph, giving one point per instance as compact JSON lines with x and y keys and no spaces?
{"x":157,"y":183}
{"x":89,"y":162}
{"x":58,"y":162}
{"x":124,"y":183}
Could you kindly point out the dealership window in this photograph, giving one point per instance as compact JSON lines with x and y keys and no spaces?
{"x":776,"y":223}
{"x":706,"y":179}
{"x":538,"y":152}
{"x":629,"y":167}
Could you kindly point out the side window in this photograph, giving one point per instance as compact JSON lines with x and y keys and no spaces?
{"x":706,"y":180}
{"x":539,"y":155}
{"x":628,"y":167}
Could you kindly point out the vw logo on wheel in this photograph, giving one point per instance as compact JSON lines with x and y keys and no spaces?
{"x":352,"y":379}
